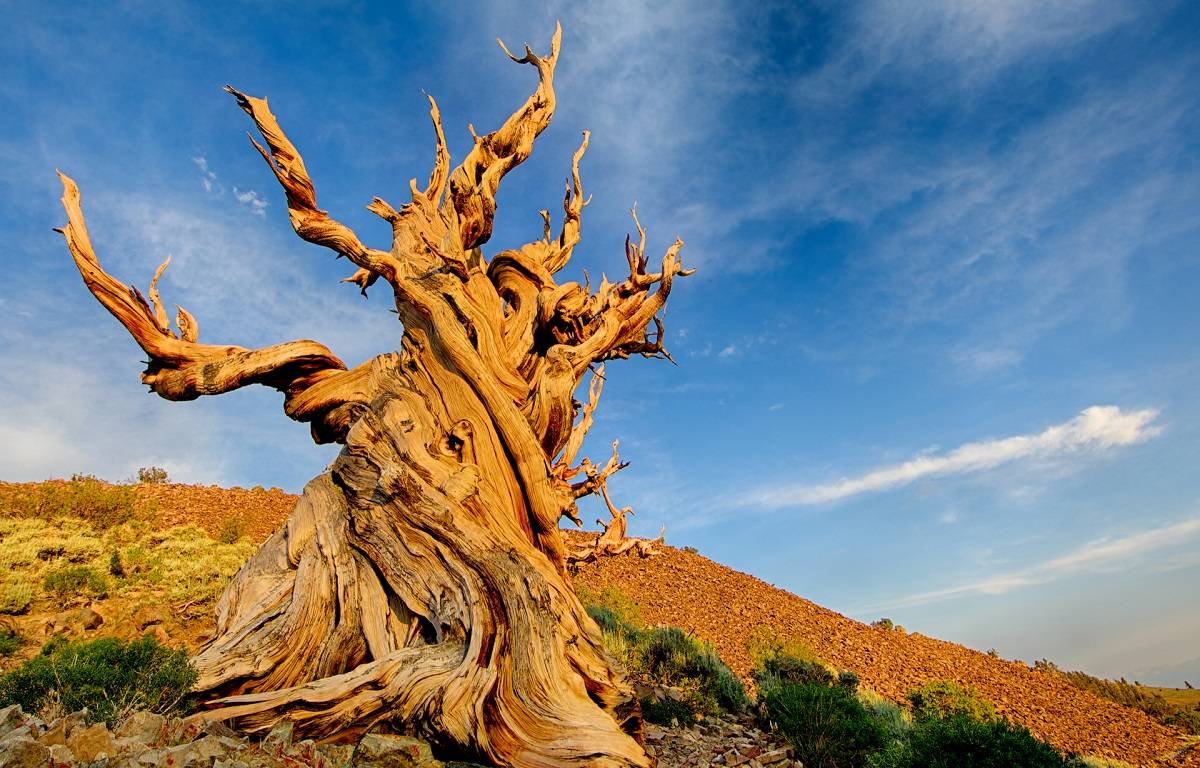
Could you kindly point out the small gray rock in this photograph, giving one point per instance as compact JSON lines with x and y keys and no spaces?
{"x":384,"y":751}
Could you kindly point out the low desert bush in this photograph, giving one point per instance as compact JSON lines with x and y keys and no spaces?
{"x":620,"y":605}
{"x":668,"y":710}
{"x":10,"y":641}
{"x":960,"y":742}
{"x":827,"y":726}
{"x":151,"y":475}
{"x":232,"y":530}
{"x":107,"y":677}
{"x":670,"y":656}
{"x":83,"y":496}
{"x":884,"y":624}
{"x":765,"y":642}
{"x":894,"y":719}
{"x":942,"y":699}
{"x":781,"y":669}
{"x":16,"y":596}
{"x":1130,"y":695}
{"x":75,"y":580}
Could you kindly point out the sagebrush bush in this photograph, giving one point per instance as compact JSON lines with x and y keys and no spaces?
{"x":1130,"y":695}
{"x":152,"y":475}
{"x":765,"y":642}
{"x":960,"y":742}
{"x":232,"y":530}
{"x":10,"y":641}
{"x":74,"y":580}
{"x":782,"y":669}
{"x":895,"y":720}
{"x":620,"y":605}
{"x":942,"y":699}
{"x":107,"y":677}
{"x":827,"y":726}
{"x":670,"y":656}
{"x":663,"y":712}
{"x":83,"y":496}
{"x":16,"y":596}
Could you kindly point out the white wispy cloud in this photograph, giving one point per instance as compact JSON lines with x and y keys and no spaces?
{"x":1098,"y":428}
{"x":208,"y":177}
{"x":252,"y":200}
{"x":1095,"y":555}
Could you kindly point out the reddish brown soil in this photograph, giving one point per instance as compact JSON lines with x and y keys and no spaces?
{"x":724,"y":607}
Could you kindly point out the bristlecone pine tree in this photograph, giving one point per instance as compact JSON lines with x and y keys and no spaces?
{"x":424,"y":579}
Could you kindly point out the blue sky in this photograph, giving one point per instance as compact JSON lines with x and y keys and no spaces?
{"x":940,"y":359}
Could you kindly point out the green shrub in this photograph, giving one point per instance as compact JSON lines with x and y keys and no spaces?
{"x":782,"y":669}
{"x":896,"y":721}
{"x":1130,"y":695}
{"x":107,"y":677}
{"x":617,"y":602}
{"x":827,"y":726}
{"x":941,"y":699}
{"x":232,"y":530}
{"x":16,"y":597}
{"x":73,"y":580}
{"x":884,"y":623}
{"x":670,"y":656}
{"x":83,"y":496}
{"x":663,"y":712}
{"x":960,"y":742}
{"x":115,"y":566}
{"x":765,"y":642}
{"x":10,"y":641}
{"x":848,"y":679}
{"x":152,"y":475}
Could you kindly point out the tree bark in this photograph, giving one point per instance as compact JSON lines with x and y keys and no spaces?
{"x":423,"y":579}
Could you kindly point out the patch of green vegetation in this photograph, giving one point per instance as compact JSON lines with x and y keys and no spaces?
{"x":670,"y":656}
{"x":664,"y":656}
{"x":944,"y":699}
{"x":107,"y":677}
{"x":620,"y":605}
{"x":668,"y":710}
{"x":765,"y":642}
{"x":232,"y":531}
{"x":1176,"y":712}
{"x":151,"y":475}
{"x":10,"y":641}
{"x":827,"y":725}
{"x":83,"y":497}
{"x":15,"y":596}
{"x":961,"y":741}
{"x":75,"y":580}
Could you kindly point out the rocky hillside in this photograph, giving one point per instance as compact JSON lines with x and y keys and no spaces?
{"x":725,"y":607}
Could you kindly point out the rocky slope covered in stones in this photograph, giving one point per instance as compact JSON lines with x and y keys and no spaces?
{"x":724,"y":607}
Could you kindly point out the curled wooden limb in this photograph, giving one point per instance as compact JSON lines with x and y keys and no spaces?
{"x":179,"y":368}
{"x":473,"y":184}
{"x":309,"y":221}
{"x":613,"y":538}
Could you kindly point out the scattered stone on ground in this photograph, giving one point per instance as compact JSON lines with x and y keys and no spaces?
{"x":713,"y":742}
{"x":147,"y":740}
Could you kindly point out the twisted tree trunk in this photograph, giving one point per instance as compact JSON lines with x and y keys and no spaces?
{"x":423,"y":579}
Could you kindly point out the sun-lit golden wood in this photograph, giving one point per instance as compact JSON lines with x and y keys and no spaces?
{"x":423,"y":578}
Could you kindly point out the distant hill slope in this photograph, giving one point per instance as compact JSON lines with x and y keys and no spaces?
{"x":724,"y":607}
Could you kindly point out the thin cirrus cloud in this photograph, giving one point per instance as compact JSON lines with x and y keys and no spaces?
{"x":1095,"y":555}
{"x":1096,"y":429}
